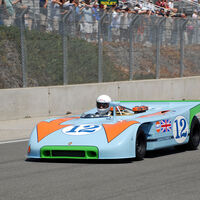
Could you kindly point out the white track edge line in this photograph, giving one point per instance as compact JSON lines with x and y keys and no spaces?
{"x":13,"y":141}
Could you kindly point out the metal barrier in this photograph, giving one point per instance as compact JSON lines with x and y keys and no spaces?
{"x":73,"y":46}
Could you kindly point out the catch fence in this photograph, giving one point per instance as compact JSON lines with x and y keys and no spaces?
{"x":72,"y":47}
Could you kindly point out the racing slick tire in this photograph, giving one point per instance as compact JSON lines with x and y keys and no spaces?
{"x":194,"y":137}
{"x":141,"y":144}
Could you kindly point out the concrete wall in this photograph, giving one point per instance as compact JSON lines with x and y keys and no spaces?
{"x":58,"y":100}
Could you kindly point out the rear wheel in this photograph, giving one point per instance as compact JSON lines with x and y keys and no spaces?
{"x":141,"y":144}
{"x":194,"y":137}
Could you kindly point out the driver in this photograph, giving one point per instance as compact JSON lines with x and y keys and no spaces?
{"x":103,"y":105}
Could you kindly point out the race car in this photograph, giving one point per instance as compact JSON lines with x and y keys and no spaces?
{"x":130,"y":129}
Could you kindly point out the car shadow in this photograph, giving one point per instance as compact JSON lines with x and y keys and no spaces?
{"x":164,"y":152}
{"x":83,"y":161}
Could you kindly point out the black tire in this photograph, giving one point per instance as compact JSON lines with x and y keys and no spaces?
{"x":141,"y":144}
{"x":194,"y":137}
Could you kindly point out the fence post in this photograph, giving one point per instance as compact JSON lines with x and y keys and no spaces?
{"x":65,"y":51}
{"x":158,"y":39}
{"x":131,"y":56}
{"x":100,"y":50}
{"x":23,"y":53}
{"x":34,"y":15}
{"x":197,"y":31}
{"x":182,"y":47}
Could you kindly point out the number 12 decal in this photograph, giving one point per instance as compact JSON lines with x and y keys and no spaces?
{"x":83,"y":129}
{"x":180,"y":129}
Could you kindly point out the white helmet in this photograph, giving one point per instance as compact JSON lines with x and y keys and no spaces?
{"x":103,"y":104}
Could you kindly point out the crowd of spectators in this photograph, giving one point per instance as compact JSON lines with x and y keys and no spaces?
{"x":57,"y":7}
{"x":87,"y":13}
{"x":91,"y":11}
{"x":159,"y":7}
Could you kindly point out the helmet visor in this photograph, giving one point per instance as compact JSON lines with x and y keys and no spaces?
{"x":102,"y":105}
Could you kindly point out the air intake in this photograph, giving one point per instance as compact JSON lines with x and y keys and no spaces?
{"x":69,"y":152}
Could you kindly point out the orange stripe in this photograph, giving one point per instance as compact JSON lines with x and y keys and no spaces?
{"x":46,"y":128}
{"x":113,"y":130}
{"x":155,"y":114}
{"x":29,"y":149}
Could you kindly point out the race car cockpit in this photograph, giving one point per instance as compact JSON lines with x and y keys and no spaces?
{"x":116,"y":110}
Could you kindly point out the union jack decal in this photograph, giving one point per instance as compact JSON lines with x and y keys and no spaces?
{"x":166,"y":125}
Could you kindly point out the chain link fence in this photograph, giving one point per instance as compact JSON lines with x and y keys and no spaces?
{"x":76,"y":46}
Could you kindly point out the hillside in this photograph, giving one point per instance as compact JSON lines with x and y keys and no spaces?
{"x":145,"y":60}
{"x":44,"y":60}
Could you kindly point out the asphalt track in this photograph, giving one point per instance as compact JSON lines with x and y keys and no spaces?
{"x":162,"y":175}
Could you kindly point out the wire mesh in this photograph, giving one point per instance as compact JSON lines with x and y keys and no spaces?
{"x":72,"y":46}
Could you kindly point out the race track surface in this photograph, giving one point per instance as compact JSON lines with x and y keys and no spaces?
{"x":162,"y":175}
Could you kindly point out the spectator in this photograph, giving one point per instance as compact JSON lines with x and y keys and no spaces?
{"x":159,"y":3}
{"x":171,"y":6}
{"x":195,"y":14}
{"x":95,"y":14}
{"x":164,"y":4}
{"x":78,"y":9}
{"x":195,"y":18}
{"x":168,"y":25}
{"x":150,"y":7}
{"x":190,"y":31}
{"x":124,"y":24}
{"x":87,"y":24}
{"x":1,"y":11}
{"x":19,"y":7}
{"x":9,"y":7}
{"x":55,"y":6}
{"x":69,"y":6}
{"x":137,"y":8}
{"x":7,"y":11}
{"x":43,"y":12}
{"x":162,"y":12}
{"x":115,"y":23}
{"x":96,"y":18}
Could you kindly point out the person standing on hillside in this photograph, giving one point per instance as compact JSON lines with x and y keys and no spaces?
{"x":7,"y":11}
{"x":43,"y":12}
{"x":55,"y":7}
{"x":18,"y":7}
{"x":8,"y":7}
{"x":1,"y":11}
{"x":87,"y":24}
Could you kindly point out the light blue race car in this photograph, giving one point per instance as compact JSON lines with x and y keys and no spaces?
{"x":129,"y":130}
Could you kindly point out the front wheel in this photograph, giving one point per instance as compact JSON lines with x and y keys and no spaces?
{"x":194,"y":137}
{"x":141,"y":144}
